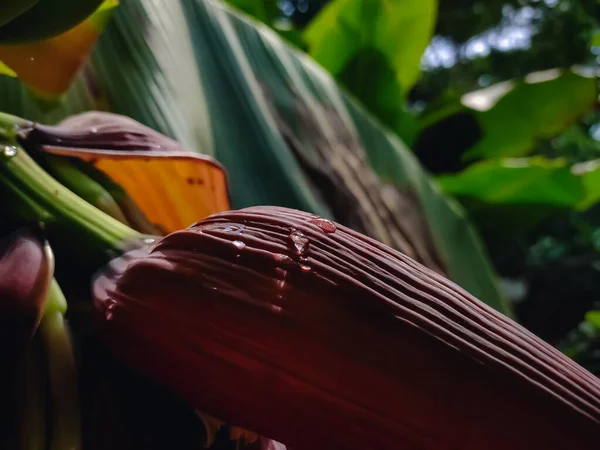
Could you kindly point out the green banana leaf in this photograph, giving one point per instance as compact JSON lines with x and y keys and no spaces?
{"x":507,"y":197}
{"x":506,"y":119}
{"x":589,"y":172}
{"x":374,"y":48}
{"x":223,"y":85}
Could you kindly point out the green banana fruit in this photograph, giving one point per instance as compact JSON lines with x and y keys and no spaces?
{"x":11,"y":9}
{"x":46,"y":19}
{"x":67,"y":173}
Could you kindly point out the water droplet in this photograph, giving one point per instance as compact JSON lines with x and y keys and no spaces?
{"x":299,"y":241}
{"x":108,"y":315}
{"x":281,"y":258}
{"x":233,"y":229}
{"x":281,"y":284}
{"x":58,"y":140}
{"x":304,"y":267}
{"x":110,"y":305}
{"x":149,"y":241}
{"x":9,"y":151}
{"x":276,"y":308}
{"x":93,"y":130}
{"x":31,"y":58}
{"x":239,"y":245}
{"x":279,"y":297}
{"x":326,"y":225}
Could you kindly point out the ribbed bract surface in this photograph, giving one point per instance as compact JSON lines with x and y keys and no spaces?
{"x":307,"y":332}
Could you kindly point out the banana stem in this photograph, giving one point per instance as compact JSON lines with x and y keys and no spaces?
{"x":57,"y":206}
{"x":62,"y":371}
{"x":9,"y":125}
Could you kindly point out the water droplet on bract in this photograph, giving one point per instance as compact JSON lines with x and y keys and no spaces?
{"x":149,"y":241}
{"x":110,"y":305}
{"x":9,"y":151}
{"x":239,"y":245}
{"x":326,"y":225}
{"x":279,"y":297}
{"x":281,"y":284}
{"x":233,"y":229}
{"x":304,"y":267}
{"x":108,"y":315}
{"x":299,"y":241}
{"x":281,"y":258}
{"x":276,"y":308}
{"x":93,"y":130}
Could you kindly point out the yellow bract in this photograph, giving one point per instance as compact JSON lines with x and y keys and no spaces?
{"x":48,"y":67}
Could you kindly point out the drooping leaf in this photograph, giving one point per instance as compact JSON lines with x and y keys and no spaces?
{"x":506,"y":119}
{"x":284,"y":131}
{"x":374,"y":48}
{"x":48,"y":67}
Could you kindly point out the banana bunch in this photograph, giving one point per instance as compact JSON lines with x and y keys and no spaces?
{"x":23,"y":21}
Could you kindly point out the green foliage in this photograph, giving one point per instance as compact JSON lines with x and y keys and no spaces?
{"x":504,"y":120}
{"x":278,"y":122}
{"x":265,"y":11}
{"x":517,"y":181}
{"x":374,"y":49}
{"x":543,"y":105}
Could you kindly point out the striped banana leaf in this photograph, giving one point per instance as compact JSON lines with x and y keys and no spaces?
{"x":226,"y":86}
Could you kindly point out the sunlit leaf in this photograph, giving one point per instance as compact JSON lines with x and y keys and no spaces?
{"x":514,"y":181}
{"x":589,"y":173}
{"x":508,"y":197}
{"x":5,"y":70}
{"x":374,"y":47}
{"x":506,"y":119}
{"x":48,"y":67}
{"x":540,"y":107}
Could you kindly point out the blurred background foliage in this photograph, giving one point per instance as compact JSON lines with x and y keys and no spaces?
{"x":499,"y":100}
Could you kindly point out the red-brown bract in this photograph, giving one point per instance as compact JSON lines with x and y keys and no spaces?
{"x":283,"y":323}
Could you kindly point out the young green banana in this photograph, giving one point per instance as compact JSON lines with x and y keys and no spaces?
{"x":67,"y":173}
{"x":46,"y":19}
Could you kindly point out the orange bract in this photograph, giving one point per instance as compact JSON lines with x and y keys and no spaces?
{"x":173,"y":188}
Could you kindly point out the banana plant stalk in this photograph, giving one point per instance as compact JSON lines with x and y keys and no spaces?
{"x":37,"y":197}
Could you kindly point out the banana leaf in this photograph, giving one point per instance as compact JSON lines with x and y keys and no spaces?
{"x":506,"y":119}
{"x":226,"y":86}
